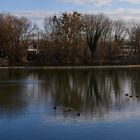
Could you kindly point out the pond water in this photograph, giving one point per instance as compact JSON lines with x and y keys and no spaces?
{"x":101,"y":104}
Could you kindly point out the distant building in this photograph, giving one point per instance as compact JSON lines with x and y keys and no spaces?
{"x":32,"y":51}
{"x":126,"y":50}
{"x":33,"y":48}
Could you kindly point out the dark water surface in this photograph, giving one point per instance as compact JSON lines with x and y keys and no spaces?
{"x":70,"y":104}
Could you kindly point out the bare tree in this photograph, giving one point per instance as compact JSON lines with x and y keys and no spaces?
{"x":119,"y":31}
{"x":133,"y":30}
{"x":96,"y":25}
{"x":13,"y":31}
{"x":65,"y":31}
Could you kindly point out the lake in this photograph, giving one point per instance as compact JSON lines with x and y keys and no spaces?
{"x":94,"y":104}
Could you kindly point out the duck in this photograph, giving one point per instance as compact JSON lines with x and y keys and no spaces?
{"x":68,"y":110}
{"x":54,"y":107}
{"x":78,"y":114}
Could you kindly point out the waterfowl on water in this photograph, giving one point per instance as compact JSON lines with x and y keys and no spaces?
{"x":68,"y":110}
{"x":78,"y":114}
{"x":126,"y":94}
{"x":54,"y":107}
{"x":137,"y":96}
{"x":130,"y":96}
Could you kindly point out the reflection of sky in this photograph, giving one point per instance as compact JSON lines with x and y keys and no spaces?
{"x":114,"y":117}
{"x":40,"y":93}
{"x":132,"y":112}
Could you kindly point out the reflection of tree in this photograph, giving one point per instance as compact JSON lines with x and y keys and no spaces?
{"x":85,"y":90}
{"x":88,"y":91}
{"x":135,"y":81}
{"x":12,"y":74}
{"x":11,"y":101}
{"x":93,"y":95}
{"x":66,"y":90}
{"x":11,"y":97}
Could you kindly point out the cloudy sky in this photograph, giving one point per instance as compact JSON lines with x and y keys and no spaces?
{"x":38,"y":9}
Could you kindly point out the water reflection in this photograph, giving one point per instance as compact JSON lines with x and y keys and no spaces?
{"x":92,"y":93}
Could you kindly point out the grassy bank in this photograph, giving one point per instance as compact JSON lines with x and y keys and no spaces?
{"x":72,"y":67}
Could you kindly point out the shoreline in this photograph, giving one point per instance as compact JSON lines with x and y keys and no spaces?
{"x":71,"y":67}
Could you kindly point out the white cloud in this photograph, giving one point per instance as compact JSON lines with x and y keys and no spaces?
{"x":131,"y":1}
{"x":125,"y":14}
{"x":34,"y":14}
{"x":88,"y":2}
{"x":121,"y":13}
{"x":98,"y":2}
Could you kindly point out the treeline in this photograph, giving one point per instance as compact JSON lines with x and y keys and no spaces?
{"x":70,"y":39}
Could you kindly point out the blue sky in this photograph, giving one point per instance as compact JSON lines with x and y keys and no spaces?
{"x":39,"y":9}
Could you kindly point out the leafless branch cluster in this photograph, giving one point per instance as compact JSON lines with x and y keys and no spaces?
{"x":71,"y":39}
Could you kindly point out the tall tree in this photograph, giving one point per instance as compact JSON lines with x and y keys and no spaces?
{"x":96,"y":25}
{"x":65,"y":30}
{"x":13,"y":32}
{"x":119,"y":31}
